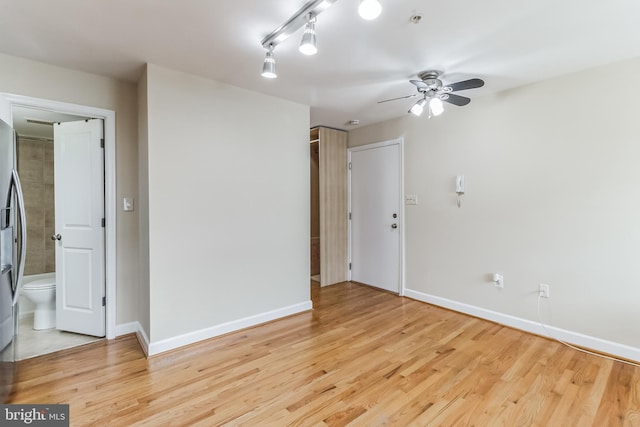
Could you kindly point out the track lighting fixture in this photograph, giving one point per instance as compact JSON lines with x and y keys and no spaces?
{"x":418,"y":107}
{"x":308,"y":42}
{"x":306,"y":16}
{"x":369,"y":9}
{"x":269,"y":65}
{"x":297,"y":21}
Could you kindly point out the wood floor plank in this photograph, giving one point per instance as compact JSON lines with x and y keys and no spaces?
{"x":361,"y":358}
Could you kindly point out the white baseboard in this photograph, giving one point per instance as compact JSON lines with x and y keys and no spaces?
{"x":143,"y":339}
{"x":600,"y":345}
{"x":134,"y":328}
{"x":127,"y":328}
{"x":224,"y":328}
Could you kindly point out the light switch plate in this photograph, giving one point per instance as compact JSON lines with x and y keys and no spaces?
{"x":127,"y":204}
{"x":411,"y":199}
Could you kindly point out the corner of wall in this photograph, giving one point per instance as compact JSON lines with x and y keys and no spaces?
{"x":138,"y":329}
{"x":143,"y":205}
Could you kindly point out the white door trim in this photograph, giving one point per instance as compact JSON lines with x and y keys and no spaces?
{"x":109,"y":117}
{"x":398,"y":141}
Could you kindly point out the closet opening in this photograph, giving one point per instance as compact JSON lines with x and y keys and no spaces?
{"x":329,"y":214}
{"x":314,"y":152}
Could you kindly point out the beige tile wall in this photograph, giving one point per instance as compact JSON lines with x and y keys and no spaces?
{"x":35,"y":165}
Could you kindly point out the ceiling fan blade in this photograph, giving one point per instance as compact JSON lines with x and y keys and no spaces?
{"x":466,"y":84}
{"x":456,"y":99}
{"x":400,"y":97}
{"x":419,"y":84}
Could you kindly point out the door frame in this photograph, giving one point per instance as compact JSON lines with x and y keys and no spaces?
{"x":401,"y":259}
{"x":109,"y":117}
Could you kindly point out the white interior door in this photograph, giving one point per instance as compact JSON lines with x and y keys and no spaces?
{"x":79,"y":214}
{"x":375,"y":206}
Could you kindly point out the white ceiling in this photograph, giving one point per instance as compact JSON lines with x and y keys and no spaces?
{"x":359,"y":62}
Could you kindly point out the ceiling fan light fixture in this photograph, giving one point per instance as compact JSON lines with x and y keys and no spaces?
{"x":436,"y":106}
{"x":418,"y":107}
{"x":269,"y":66}
{"x":308,"y":43}
{"x":369,"y":9}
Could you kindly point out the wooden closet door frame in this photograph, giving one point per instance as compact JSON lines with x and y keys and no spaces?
{"x":333,"y":206}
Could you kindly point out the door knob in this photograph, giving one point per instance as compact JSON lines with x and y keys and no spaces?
{"x":56,"y":237}
{"x":394,"y":225}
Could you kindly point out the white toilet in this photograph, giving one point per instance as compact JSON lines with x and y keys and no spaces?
{"x":42,"y":292}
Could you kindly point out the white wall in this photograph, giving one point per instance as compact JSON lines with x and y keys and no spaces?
{"x":29,"y":78}
{"x":552,"y":197}
{"x":228,"y":204}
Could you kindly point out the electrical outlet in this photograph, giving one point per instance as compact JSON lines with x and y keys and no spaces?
{"x":544,"y":290}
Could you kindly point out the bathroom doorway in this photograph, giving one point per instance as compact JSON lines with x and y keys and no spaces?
{"x":7,"y":102}
{"x":37,"y":333}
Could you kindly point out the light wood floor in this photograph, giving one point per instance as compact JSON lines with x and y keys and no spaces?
{"x":362,"y":357}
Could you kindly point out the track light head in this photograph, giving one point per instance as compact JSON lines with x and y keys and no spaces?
{"x":369,"y":9}
{"x":418,"y":107}
{"x":308,"y":43}
{"x":269,"y":65}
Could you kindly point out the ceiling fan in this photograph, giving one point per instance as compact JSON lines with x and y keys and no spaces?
{"x":433,"y":92}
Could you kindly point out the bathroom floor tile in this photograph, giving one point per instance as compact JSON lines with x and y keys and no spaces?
{"x":32,"y":343}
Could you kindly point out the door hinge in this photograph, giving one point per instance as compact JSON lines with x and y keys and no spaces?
{"x":103,"y":223}
{"x":349,"y":215}
{"x":101,"y":142}
{"x":349,"y":266}
{"x":104,"y":301}
{"x":349,"y":165}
